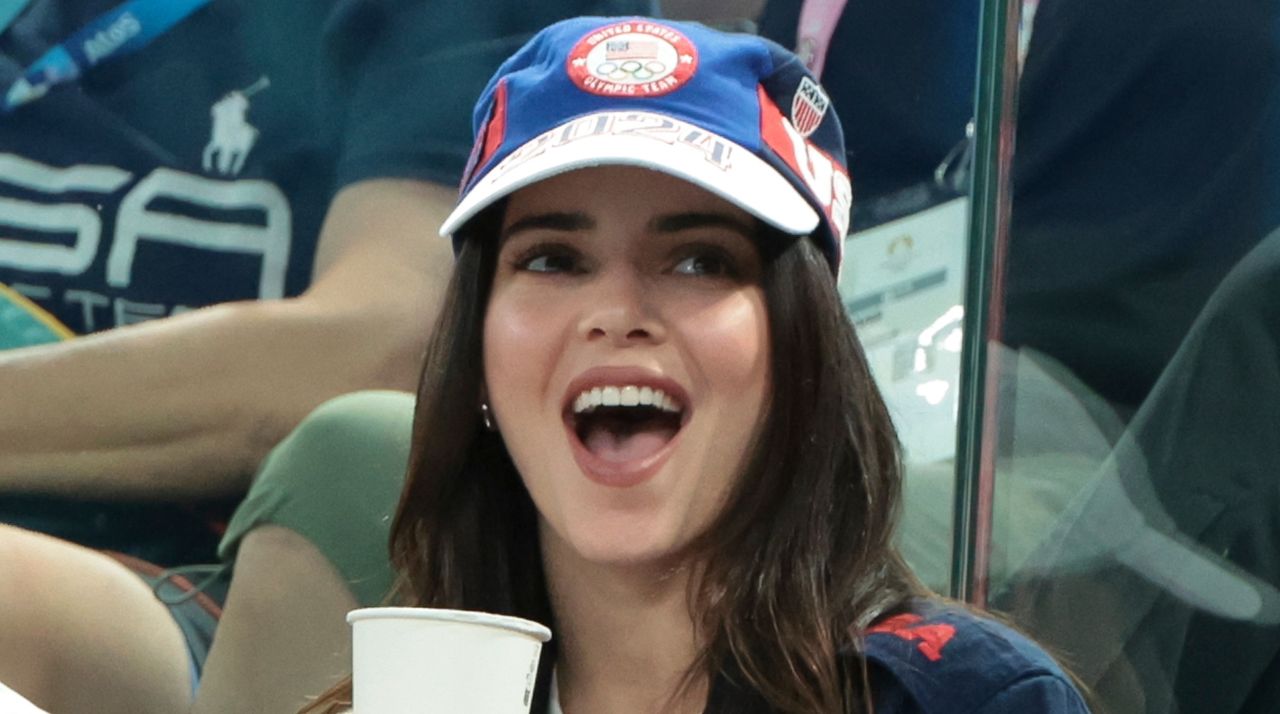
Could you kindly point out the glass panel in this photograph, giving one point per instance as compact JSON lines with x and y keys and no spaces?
{"x":900,"y":75}
{"x":1135,"y":420}
{"x":988,"y":239}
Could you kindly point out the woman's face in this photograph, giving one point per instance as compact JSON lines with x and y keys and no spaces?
{"x":626,"y":357}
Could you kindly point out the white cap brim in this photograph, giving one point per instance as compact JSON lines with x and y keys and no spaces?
{"x":714,"y":163}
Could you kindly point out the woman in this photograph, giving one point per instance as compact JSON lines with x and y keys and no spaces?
{"x":644,"y":418}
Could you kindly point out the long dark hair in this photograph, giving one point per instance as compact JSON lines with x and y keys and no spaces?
{"x":798,"y":563}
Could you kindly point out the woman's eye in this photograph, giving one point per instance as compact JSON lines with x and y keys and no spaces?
{"x":548,"y":262}
{"x":705,"y":263}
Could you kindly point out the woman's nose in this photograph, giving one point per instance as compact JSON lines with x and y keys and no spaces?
{"x":621,"y":309}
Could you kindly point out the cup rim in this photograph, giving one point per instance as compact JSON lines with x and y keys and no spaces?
{"x":475,"y":617}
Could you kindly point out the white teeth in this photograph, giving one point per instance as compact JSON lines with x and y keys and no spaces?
{"x":611,"y":397}
{"x":624,"y":396}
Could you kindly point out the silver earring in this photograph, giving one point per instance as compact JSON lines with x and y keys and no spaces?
{"x":486,"y":414}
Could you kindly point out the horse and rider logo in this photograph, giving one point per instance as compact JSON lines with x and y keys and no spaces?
{"x":233,"y":136}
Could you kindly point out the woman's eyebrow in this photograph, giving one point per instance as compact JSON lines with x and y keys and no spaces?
{"x":561,"y":221}
{"x":685,"y":221}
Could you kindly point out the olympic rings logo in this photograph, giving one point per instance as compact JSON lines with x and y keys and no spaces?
{"x":631,"y":70}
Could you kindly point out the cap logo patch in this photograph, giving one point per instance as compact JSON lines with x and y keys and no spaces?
{"x":636,"y":58}
{"x":827,"y":180}
{"x":808,"y":107}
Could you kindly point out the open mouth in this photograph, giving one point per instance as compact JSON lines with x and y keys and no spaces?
{"x":625,"y":423}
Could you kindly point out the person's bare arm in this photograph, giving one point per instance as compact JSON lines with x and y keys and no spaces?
{"x":188,"y":405}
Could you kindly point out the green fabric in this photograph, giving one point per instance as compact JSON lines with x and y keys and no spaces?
{"x":23,"y":324}
{"x":336,"y":481}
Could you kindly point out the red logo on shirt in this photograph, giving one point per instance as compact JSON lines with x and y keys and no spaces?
{"x":932,"y":637}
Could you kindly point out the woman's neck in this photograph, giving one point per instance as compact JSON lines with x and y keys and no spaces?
{"x":625,"y":636}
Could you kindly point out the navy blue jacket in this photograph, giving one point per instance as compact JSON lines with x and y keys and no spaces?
{"x":943,"y":660}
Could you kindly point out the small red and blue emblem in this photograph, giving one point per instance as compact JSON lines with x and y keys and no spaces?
{"x":808,"y":107}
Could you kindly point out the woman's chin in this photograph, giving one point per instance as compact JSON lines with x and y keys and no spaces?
{"x":626,"y":550}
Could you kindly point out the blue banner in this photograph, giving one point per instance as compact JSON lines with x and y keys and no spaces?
{"x":122,"y":30}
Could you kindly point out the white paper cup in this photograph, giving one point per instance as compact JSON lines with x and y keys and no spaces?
{"x":423,"y":660}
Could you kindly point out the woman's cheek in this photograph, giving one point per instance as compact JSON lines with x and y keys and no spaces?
{"x":734,"y":334}
{"x":519,"y":342}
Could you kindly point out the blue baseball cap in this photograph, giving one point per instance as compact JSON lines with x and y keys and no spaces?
{"x":735,"y":114}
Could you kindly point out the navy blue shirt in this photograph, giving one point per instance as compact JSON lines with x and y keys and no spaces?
{"x":194,"y":172}
{"x":934,"y":660}
{"x":1148,"y":133}
{"x":944,"y":660}
{"x":949,"y":661}
{"x":198,"y":171}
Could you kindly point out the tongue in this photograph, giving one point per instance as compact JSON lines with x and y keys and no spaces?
{"x":622,"y":446}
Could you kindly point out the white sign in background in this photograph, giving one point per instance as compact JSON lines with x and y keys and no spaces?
{"x":903,"y":285}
